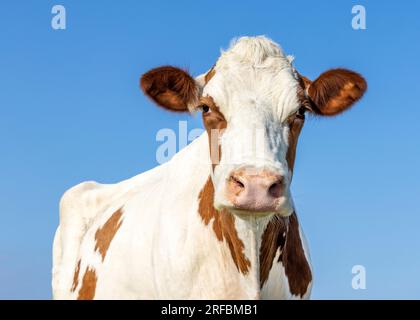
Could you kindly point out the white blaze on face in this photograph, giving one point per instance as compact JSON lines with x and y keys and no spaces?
{"x":255,"y":88}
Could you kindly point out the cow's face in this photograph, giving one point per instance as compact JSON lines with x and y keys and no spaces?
{"x":253,"y":104}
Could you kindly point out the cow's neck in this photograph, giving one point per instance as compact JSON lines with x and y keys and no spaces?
{"x":243,"y":237}
{"x":252,"y":244}
{"x":250,"y":231}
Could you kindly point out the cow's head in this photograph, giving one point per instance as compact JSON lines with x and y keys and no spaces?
{"x":253,"y":104}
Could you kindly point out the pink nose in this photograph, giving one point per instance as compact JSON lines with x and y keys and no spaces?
{"x":255,"y":191}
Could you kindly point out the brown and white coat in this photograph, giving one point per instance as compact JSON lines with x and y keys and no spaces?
{"x":217,"y":221}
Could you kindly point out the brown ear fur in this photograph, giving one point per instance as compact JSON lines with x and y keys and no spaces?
{"x":170,"y":88}
{"x":334,"y":91}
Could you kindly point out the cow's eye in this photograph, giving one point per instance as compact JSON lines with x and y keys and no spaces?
{"x":301,"y":113}
{"x":205,"y":108}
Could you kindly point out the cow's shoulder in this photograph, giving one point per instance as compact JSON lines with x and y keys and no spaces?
{"x":80,"y":197}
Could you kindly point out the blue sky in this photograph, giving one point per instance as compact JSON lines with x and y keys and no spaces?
{"x":71,"y":110}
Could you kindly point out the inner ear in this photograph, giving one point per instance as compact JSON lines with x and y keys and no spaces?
{"x":335,"y":91}
{"x":171,"y":88}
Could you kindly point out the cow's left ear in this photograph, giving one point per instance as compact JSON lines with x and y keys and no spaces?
{"x":334,"y":91}
{"x":171,"y":88}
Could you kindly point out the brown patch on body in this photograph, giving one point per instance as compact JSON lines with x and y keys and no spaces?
{"x":274,"y":238}
{"x":88,"y":288}
{"x":223,"y":226}
{"x":292,"y":255}
{"x":76,"y":276}
{"x":296,"y":265}
{"x":106,"y":233}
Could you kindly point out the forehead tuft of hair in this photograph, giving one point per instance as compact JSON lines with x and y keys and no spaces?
{"x":256,"y":51}
{"x":254,"y":72}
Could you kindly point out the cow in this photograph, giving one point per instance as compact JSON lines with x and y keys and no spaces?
{"x":217,"y":221}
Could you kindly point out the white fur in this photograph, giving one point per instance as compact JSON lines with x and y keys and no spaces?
{"x":163,"y":250}
{"x":255,"y":86}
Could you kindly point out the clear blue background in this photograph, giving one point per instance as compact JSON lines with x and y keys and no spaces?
{"x":71,"y":110}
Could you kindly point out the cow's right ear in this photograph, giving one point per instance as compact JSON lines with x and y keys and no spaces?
{"x":171,"y":88}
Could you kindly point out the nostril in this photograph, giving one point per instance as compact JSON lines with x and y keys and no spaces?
{"x":237,"y":182}
{"x":276,"y":189}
